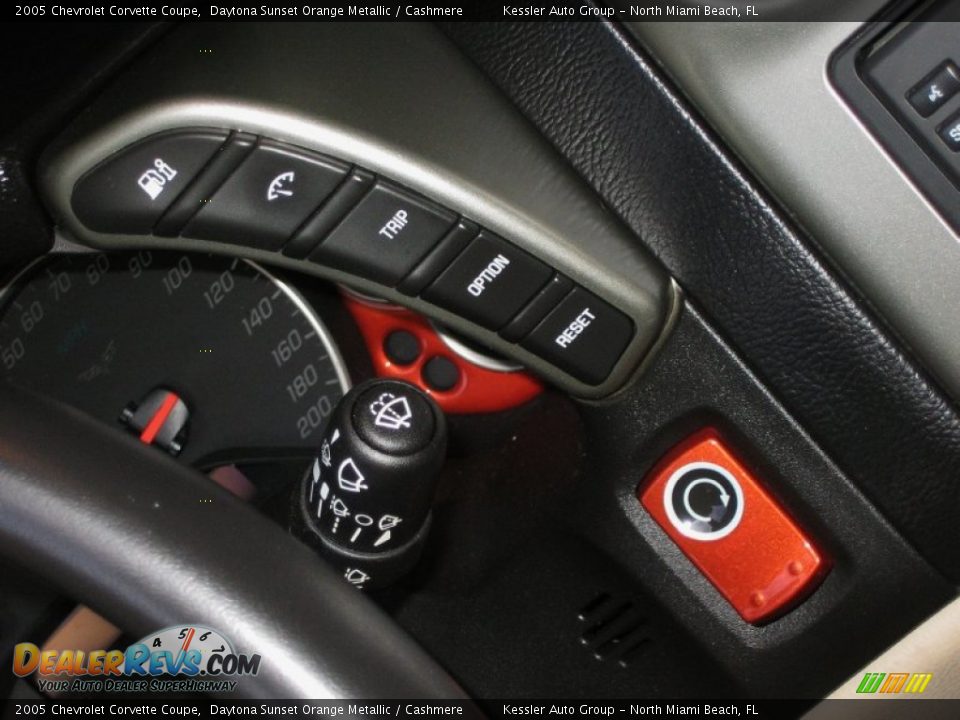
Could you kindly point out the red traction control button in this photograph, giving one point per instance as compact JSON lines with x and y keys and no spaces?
{"x":731,"y":528}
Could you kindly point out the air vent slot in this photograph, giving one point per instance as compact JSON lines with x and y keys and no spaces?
{"x":614,"y":629}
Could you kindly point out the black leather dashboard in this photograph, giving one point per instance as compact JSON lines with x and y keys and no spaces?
{"x":816,"y":344}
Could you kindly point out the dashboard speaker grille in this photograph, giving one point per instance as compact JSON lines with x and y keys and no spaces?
{"x":614,"y":629}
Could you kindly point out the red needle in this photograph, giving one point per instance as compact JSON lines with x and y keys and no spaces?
{"x":186,"y":641}
{"x":157,"y":421}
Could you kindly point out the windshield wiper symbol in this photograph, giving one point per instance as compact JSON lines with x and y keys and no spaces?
{"x":349,"y":477}
{"x":391,"y":412}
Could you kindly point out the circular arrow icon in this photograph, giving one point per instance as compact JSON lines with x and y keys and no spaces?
{"x":703,"y":501}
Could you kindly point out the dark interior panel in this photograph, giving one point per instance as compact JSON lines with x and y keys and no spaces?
{"x":562,"y":528}
{"x":796,"y":323}
{"x":539,"y":572}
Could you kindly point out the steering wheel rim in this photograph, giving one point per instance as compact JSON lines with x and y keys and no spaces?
{"x":122,"y":528}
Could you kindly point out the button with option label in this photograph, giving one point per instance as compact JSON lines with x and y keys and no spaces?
{"x":129,"y":191}
{"x":267,"y":197}
{"x":583,"y":336}
{"x":385,"y":235}
{"x":714,"y":508}
{"x":489,"y":282}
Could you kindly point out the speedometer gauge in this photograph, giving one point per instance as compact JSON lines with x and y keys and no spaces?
{"x":249,"y":362}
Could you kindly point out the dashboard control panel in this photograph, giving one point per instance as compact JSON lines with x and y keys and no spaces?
{"x":921,"y":88}
{"x":365,"y":502}
{"x":238,"y":189}
{"x":902,"y":79}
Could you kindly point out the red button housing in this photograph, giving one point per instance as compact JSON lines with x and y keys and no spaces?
{"x":478,"y":390}
{"x":730,"y":527}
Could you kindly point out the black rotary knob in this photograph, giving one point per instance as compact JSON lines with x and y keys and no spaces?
{"x":366,"y":498}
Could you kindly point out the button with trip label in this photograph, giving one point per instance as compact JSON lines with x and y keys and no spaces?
{"x":129,"y":191}
{"x":489,"y":282}
{"x":583,"y":336}
{"x":935,"y":89}
{"x":385,"y":235}
{"x":267,"y":197}
{"x":950,"y":133}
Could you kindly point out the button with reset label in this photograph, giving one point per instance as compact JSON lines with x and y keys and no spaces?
{"x":385,"y":235}
{"x":583,"y":336}
{"x":489,"y":282}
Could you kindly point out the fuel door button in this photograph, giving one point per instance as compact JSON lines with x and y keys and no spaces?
{"x":130,"y":190}
{"x":489,"y":282}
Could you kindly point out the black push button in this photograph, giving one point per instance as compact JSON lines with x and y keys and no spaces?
{"x":385,"y":235}
{"x":935,"y":89}
{"x":319,"y":225}
{"x":489,"y":282}
{"x":267,"y":197}
{"x":583,"y":336}
{"x":545,"y":301}
{"x":129,"y":191}
{"x":950,"y":133}
{"x":441,"y":374}
{"x":402,"y":347}
{"x":199,"y":192}
{"x":452,"y":244}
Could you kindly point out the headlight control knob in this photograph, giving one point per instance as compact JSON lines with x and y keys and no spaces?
{"x":366,"y":498}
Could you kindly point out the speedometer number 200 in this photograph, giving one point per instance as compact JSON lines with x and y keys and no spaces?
{"x":314,"y":417}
